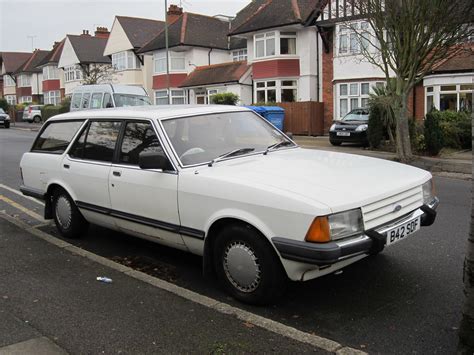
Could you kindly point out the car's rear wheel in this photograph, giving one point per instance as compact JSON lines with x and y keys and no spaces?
{"x":37,"y":119}
{"x":69,"y":220}
{"x":336,"y":143}
{"x":247,"y":266}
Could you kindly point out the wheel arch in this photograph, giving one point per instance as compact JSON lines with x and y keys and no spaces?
{"x":52,"y":187}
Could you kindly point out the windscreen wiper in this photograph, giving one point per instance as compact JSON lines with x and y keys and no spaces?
{"x":230,"y":154}
{"x":276,"y":146}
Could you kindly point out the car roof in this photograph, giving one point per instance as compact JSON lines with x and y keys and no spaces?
{"x":150,"y":112}
{"x":111,"y":88}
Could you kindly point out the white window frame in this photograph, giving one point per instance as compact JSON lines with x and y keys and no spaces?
{"x":125,"y":60}
{"x":436,"y":94}
{"x":24,"y":80}
{"x":11,"y":99}
{"x":239,"y":55}
{"x":275,"y":35}
{"x":350,"y":97}
{"x":24,"y":99}
{"x":176,"y":94}
{"x":8,"y":81}
{"x":354,"y":36}
{"x":72,"y":73}
{"x":50,"y":72}
{"x":174,"y":58}
{"x":278,"y":88}
{"x":52,"y":97}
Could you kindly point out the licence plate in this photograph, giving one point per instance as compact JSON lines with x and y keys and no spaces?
{"x":344,"y":134}
{"x":396,"y":234}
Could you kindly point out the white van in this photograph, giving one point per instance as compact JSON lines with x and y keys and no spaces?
{"x":88,"y":97}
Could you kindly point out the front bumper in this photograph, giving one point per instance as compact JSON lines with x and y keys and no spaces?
{"x":355,"y":137}
{"x":371,"y":241}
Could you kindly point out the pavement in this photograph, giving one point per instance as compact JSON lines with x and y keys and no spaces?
{"x":51,"y":303}
{"x":459,"y":163}
{"x":454,"y":163}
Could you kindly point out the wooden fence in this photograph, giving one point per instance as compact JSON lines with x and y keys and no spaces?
{"x":304,"y":118}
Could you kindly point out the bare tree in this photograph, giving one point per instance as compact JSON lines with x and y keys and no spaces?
{"x":406,"y":39}
{"x":97,"y":74}
{"x":466,"y":332}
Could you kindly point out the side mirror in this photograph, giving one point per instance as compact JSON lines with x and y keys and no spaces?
{"x":153,"y":160}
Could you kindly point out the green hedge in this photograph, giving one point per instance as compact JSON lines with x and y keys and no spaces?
{"x":49,"y":111}
{"x":434,"y":139}
{"x":376,"y":129}
{"x":226,"y":98}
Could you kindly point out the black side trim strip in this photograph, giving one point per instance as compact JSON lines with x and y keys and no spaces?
{"x":28,"y":191}
{"x":311,"y":253}
{"x":170,"y":227}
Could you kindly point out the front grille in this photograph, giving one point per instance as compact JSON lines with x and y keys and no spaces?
{"x":383,"y":211}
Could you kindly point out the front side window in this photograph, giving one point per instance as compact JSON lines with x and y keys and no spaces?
{"x":76,"y":100}
{"x":107,"y":102}
{"x":97,"y":142}
{"x":96,"y":100}
{"x":56,"y":137}
{"x":200,"y":139}
{"x":138,"y":137}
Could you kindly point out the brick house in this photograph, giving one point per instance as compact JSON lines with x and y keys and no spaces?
{"x":10,"y":62}
{"x":53,"y":80}
{"x":194,"y":41}
{"x":80,"y":54}
{"x":29,"y":79}
{"x":127,"y":36}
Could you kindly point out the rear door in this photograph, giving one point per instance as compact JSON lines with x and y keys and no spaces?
{"x":145,"y":202}
{"x":86,"y":169}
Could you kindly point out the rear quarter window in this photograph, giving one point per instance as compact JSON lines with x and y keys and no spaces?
{"x":56,"y":137}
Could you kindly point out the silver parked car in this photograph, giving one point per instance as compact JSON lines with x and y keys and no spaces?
{"x":4,"y":118}
{"x":32,"y":113}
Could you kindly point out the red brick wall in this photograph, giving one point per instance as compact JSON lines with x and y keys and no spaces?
{"x":416,"y":102}
{"x":276,"y":68}
{"x":327,"y":77}
{"x":26,"y":91}
{"x":50,"y":85}
{"x":160,"y":82}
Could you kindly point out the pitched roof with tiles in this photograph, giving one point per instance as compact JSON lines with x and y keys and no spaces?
{"x":462,"y":60}
{"x":192,"y":30}
{"x":13,"y":60}
{"x":265,"y":14}
{"x":89,"y":49}
{"x":30,"y":66}
{"x":216,"y":74}
{"x":140,"y":30}
{"x":53,"y":55}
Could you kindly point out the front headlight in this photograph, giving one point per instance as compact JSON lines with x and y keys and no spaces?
{"x":333,"y":127}
{"x":428,"y":192}
{"x":335,"y":226}
{"x":345,"y":224}
{"x":7,"y":118}
{"x":362,"y":128}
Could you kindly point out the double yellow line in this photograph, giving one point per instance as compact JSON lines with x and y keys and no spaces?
{"x":21,"y":207}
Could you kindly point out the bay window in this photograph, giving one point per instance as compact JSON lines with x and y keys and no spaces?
{"x":8,"y":81}
{"x":50,"y":72}
{"x":52,"y":97}
{"x":275,"y":43}
{"x":24,"y":99}
{"x":354,"y":38}
{"x":125,"y":60}
{"x":177,"y":62}
{"x":285,"y":90}
{"x":72,"y":73}
{"x":178,"y":97}
{"x":11,"y":99}
{"x":454,"y":97}
{"x":352,"y":96}
{"x":24,"y":80}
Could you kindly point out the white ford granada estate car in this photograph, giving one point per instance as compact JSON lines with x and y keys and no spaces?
{"x":224,"y":183}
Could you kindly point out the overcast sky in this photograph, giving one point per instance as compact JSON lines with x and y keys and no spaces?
{"x":51,"y":20}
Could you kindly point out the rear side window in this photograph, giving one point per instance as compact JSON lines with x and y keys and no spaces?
{"x":85,"y":100}
{"x":97,"y":142}
{"x":76,"y":101}
{"x":96,"y":100}
{"x":56,"y":137}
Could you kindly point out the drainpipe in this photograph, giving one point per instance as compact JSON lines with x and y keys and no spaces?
{"x":209,"y":56}
{"x":318,"y":88}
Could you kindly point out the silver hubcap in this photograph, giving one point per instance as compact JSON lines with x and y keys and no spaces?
{"x":241,"y":267}
{"x":63,"y":212}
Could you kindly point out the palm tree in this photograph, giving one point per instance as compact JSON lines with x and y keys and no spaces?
{"x":385,"y":99}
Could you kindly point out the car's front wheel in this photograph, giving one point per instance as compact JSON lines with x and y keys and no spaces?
{"x":247,"y":266}
{"x":335,"y":143}
{"x":37,"y":119}
{"x":68,"y":218}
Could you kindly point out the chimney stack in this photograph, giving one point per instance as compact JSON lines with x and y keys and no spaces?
{"x":102,"y":32}
{"x":85,"y":33}
{"x":174,"y":12}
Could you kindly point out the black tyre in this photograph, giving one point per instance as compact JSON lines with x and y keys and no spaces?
{"x":336,"y":143}
{"x":7,"y":125}
{"x":37,"y":119}
{"x":247,"y":266}
{"x":69,"y":220}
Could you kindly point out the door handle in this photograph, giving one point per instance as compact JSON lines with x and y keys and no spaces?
{"x":117,"y":173}
{"x":66,"y":166}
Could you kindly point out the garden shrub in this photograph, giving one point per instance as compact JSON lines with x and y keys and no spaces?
{"x":4,"y":104}
{"x":433,"y":133}
{"x":49,"y":111}
{"x":225,"y":98}
{"x":376,"y":130}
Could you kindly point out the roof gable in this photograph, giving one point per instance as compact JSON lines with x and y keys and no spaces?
{"x":216,"y":74}
{"x":263,"y":14}
{"x":89,"y":49}
{"x":192,"y":30}
{"x":140,"y":30}
{"x":30,"y":66}
{"x":13,"y":60}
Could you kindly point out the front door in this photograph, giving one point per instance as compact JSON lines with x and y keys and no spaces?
{"x":144,"y":202}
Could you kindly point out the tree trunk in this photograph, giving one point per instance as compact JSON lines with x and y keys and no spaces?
{"x":403,"y":132}
{"x":466,"y":332}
